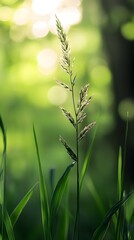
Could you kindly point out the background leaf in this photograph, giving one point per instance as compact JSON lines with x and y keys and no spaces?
{"x":43,"y":196}
{"x":19,"y":208}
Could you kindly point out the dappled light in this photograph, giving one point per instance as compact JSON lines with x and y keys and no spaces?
{"x":57,"y":96}
{"x":42,"y":7}
{"x":47,"y":60}
{"x":21,"y":16}
{"x":40,"y":29}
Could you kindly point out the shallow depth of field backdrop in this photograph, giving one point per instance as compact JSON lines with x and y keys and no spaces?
{"x":101,"y":36}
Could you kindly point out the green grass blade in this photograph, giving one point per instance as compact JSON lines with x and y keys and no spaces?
{"x":119,"y":215}
{"x":4,"y":134}
{"x":124,"y":155}
{"x":63,"y":220}
{"x":121,"y":180}
{"x":119,"y":173}
{"x":43,"y":196}
{"x":19,"y":208}
{"x":109,"y":215}
{"x":59,"y":190}
{"x":96,"y":196}
{"x":3,"y":174}
{"x":8,"y":226}
{"x":87,"y":159}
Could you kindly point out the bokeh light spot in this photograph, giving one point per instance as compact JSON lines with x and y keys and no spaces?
{"x":5,"y":14}
{"x":126,"y":109}
{"x":57,"y":95}
{"x":41,"y":7}
{"x":101,"y":76}
{"x":17,"y":34}
{"x":127,"y":30}
{"x":47,"y":60}
{"x":21,"y":16}
{"x":70,"y":16}
{"x":40,"y":29}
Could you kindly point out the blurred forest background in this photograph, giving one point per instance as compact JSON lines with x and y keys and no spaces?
{"x":101,"y":36}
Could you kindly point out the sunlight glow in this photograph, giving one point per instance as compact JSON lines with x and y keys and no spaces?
{"x":57,"y":95}
{"x":40,"y":29}
{"x":47,"y":60}
{"x":21,"y":16}
{"x":68,"y":15}
{"x":5,"y":14}
{"x":42,"y":7}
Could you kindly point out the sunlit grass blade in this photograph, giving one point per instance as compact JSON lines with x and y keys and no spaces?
{"x":87,"y":159}
{"x":109,"y":215}
{"x":3,"y":174}
{"x":59,"y":190}
{"x":8,"y":226}
{"x":4,"y":134}
{"x":19,"y":208}
{"x":43,"y":196}
{"x":96,"y":196}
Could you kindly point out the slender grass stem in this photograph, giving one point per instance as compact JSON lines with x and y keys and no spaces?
{"x":78,"y":182}
{"x":120,"y":223}
{"x":76,"y":225}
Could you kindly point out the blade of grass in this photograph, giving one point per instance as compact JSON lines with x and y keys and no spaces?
{"x":8,"y":226}
{"x":87,"y":159}
{"x":63,"y":220}
{"x":3,"y":173}
{"x":59,"y":190}
{"x":19,"y":208}
{"x":121,"y":181}
{"x":119,"y":173}
{"x":108,"y":216}
{"x":119,"y":215}
{"x":96,"y":196}
{"x":45,"y":212}
{"x":124,"y":155}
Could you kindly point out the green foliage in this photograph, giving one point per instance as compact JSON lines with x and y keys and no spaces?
{"x":110,"y":213}
{"x":9,"y":226}
{"x":19,"y":208}
{"x":58,"y":192}
{"x":8,"y":222}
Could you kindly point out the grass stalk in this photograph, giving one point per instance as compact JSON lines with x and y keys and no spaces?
{"x":78,"y":112}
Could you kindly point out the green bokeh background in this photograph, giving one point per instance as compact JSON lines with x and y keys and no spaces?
{"x":103,"y":46}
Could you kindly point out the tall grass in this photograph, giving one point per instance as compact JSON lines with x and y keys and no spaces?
{"x":9,"y":221}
